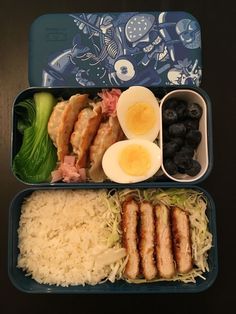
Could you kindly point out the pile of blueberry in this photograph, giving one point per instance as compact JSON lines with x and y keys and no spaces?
{"x":181,"y":136}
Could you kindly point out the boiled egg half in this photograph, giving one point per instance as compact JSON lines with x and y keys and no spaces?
{"x":131,"y":161}
{"x":138,"y":113}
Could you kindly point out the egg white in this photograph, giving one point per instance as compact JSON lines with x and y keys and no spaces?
{"x":138,"y":94}
{"x":113,"y":170}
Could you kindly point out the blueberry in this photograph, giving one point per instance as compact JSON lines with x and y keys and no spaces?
{"x":177,"y":130}
{"x":194,"y":111}
{"x":169,"y":116}
{"x":171,"y":103}
{"x":195,"y":169}
{"x":170,"y":167}
{"x":169,"y":149}
{"x":179,"y":141}
{"x":181,"y":170}
{"x":166,"y":135}
{"x":191,"y":124}
{"x":187,"y":150}
{"x":182,"y":161}
{"x":193,"y":138}
{"x":181,"y":110}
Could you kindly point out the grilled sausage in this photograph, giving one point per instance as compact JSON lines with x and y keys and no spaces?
{"x":164,"y":253}
{"x":181,"y":240}
{"x":146,"y":246}
{"x":129,"y":225}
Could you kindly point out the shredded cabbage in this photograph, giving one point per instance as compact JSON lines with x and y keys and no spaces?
{"x":112,"y":219}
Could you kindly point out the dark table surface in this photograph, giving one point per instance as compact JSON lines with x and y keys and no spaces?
{"x":217,"y":19}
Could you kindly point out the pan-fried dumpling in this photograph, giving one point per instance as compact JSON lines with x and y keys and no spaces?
{"x":108,"y":133}
{"x":85,"y":129}
{"x":62,"y":120}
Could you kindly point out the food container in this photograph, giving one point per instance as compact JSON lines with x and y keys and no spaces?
{"x":205,"y":154}
{"x":85,"y":52}
{"x":26,"y":284}
{"x":202,"y":153}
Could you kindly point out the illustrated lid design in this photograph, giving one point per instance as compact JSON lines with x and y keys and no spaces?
{"x":115,"y":49}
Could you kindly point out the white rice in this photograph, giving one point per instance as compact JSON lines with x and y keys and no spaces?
{"x":62,"y":233}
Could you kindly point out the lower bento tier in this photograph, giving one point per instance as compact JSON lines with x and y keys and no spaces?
{"x":129,"y":239}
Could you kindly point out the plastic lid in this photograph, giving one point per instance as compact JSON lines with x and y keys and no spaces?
{"x":115,"y":49}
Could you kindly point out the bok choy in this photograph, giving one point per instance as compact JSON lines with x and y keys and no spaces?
{"x":37,"y":156}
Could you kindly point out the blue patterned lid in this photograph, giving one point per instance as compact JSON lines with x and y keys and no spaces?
{"x":115,"y":49}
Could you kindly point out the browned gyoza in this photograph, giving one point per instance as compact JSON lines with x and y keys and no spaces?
{"x":62,"y":120}
{"x":108,"y":133}
{"x":164,"y":254}
{"x":181,"y":240}
{"x":146,"y":246}
{"x":130,"y":211}
{"x":85,"y":129}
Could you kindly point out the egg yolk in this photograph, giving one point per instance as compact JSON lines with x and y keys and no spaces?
{"x":140,"y":118}
{"x":135,"y":160}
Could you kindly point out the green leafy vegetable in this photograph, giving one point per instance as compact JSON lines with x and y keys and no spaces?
{"x":37,"y":156}
{"x":26,"y":114}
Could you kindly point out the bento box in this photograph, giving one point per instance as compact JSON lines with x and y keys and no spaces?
{"x":187,"y":94}
{"x":24,"y":282}
{"x":89,"y":53}
{"x":107,"y":55}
